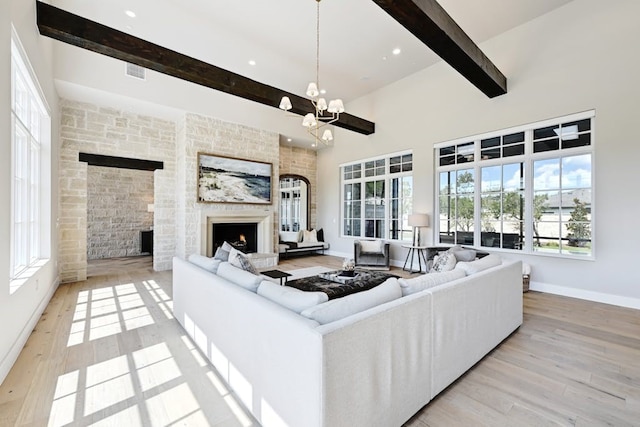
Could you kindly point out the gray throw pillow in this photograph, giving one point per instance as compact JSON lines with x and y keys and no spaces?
{"x":221,"y":254}
{"x":465,"y":255}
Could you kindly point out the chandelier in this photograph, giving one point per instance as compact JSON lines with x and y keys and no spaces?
{"x":323,"y":114}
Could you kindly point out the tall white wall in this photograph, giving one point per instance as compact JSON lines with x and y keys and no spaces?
{"x":20,"y":311}
{"x":582,"y":56}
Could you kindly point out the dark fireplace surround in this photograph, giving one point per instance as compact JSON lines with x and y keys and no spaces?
{"x":241,"y":235}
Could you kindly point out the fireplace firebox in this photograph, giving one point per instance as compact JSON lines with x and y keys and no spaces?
{"x":241,"y":235}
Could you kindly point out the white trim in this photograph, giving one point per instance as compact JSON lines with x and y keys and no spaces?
{"x":380,"y":157}
{"x":520,"y":128}
{"x":586,"y":295}
{"x":12,"y":355}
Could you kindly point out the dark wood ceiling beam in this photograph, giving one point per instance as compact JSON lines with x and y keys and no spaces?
{"x":119,"y":162}
{"x":78,"y":31}
{"x":430,"y":23}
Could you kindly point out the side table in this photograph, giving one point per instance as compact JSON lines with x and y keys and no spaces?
{"x":422,"y":255}
{"x":277,"y":274}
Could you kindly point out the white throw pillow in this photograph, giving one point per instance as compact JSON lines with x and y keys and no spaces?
{"x":444,"y":262}
{"x":309,"y":236}
{"x":209,"y":264}
{"x":426,"y":281}
{"x":339,"y":308}
{"x":479,"y":264}
{"x":238,"y":276}
{"x":289,"y":236}
{"x":291,"y":298}
{"x":371,"y":246}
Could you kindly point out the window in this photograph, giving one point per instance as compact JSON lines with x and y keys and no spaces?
{"x":377,"y":197}
{"x":30,"y":123}
{"x":526,"y":189}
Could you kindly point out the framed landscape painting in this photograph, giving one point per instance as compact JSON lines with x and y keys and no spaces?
{"x":230,"y":180}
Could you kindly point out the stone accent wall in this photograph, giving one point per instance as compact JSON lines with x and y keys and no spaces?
{"x":209,"y":135}
{"x":117,"y":201}
{"x":98,"y":130}
{"x":302,"y":161}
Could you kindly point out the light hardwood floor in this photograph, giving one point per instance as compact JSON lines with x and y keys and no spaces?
{"x":108,"y":352}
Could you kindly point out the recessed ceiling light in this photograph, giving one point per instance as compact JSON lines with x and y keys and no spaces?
{"x":288,"y":139}
{"x":130,"y":13}
{"x":323,"y":91}
{"x":252,"y":62}
{"x":384,"y":58}
{"x":396,"y":51}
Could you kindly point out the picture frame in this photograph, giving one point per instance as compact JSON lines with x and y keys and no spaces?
{"x":223,"y":179}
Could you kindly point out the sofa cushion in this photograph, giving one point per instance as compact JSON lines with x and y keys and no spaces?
{"x":209,"y":264}
{"x":289,"y":236}
{"x":426,"y":281}
{"x":478,"y":265}
{"x":339,"y":308}
{"x":443,"y":262}
{"x":371,"y":246}
{"x":291,"y":298}
{"x":238,"y":276}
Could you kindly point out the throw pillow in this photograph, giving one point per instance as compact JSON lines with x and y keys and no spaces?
{"x":465,"y":255}
{"x":247,"y":265}
{"x":221,"y":254}
{"x":371,"y":246}
{"x":320,"y":235}
{"x":309,"y":236}
{"x":289,"y":236}
{"x":240,"y":260}
{"x":479,"y":264}
{"x":445,"y":262}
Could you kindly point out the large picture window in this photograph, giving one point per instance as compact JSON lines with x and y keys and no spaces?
{"x":526,"y":189}
{"x":377,"y":197}
{"x":29,"y":124}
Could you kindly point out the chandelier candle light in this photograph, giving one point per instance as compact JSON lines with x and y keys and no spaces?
{"x":324,"y":113}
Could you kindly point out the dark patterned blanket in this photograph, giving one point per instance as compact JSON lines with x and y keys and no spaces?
{"x":365,"y":280}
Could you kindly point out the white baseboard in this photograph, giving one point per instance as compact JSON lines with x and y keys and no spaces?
{"x":586,"y":295}
{"x":18,"y":345}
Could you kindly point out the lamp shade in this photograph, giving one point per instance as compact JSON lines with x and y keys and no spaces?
{"x":285,"y":103}
{"x":418,"y":220}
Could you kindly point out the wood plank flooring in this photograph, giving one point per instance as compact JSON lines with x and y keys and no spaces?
{"x":107,"y":351}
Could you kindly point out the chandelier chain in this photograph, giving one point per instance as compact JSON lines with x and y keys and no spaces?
{"x":318,"y":44}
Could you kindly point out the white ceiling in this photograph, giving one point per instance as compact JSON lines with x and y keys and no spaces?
{"x":356,"y":36}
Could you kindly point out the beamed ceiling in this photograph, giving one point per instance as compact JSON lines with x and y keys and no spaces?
{"x":209,"y":42}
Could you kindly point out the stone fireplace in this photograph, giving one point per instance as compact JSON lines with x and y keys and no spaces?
{"x":261,"y":252}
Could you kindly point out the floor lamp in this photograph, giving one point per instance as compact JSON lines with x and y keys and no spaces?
{"x":418,"y":220}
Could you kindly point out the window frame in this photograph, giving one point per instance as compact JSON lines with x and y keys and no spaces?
{"x":29,"y":247}
{"x":357,"y":172}
{"x":528,"y":158}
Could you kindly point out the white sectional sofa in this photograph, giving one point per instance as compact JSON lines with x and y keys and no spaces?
{"x":377,"y":365}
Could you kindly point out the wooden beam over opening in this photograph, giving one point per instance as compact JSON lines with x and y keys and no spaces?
{"x":430,"y":23}
{"x":78,"y":31}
